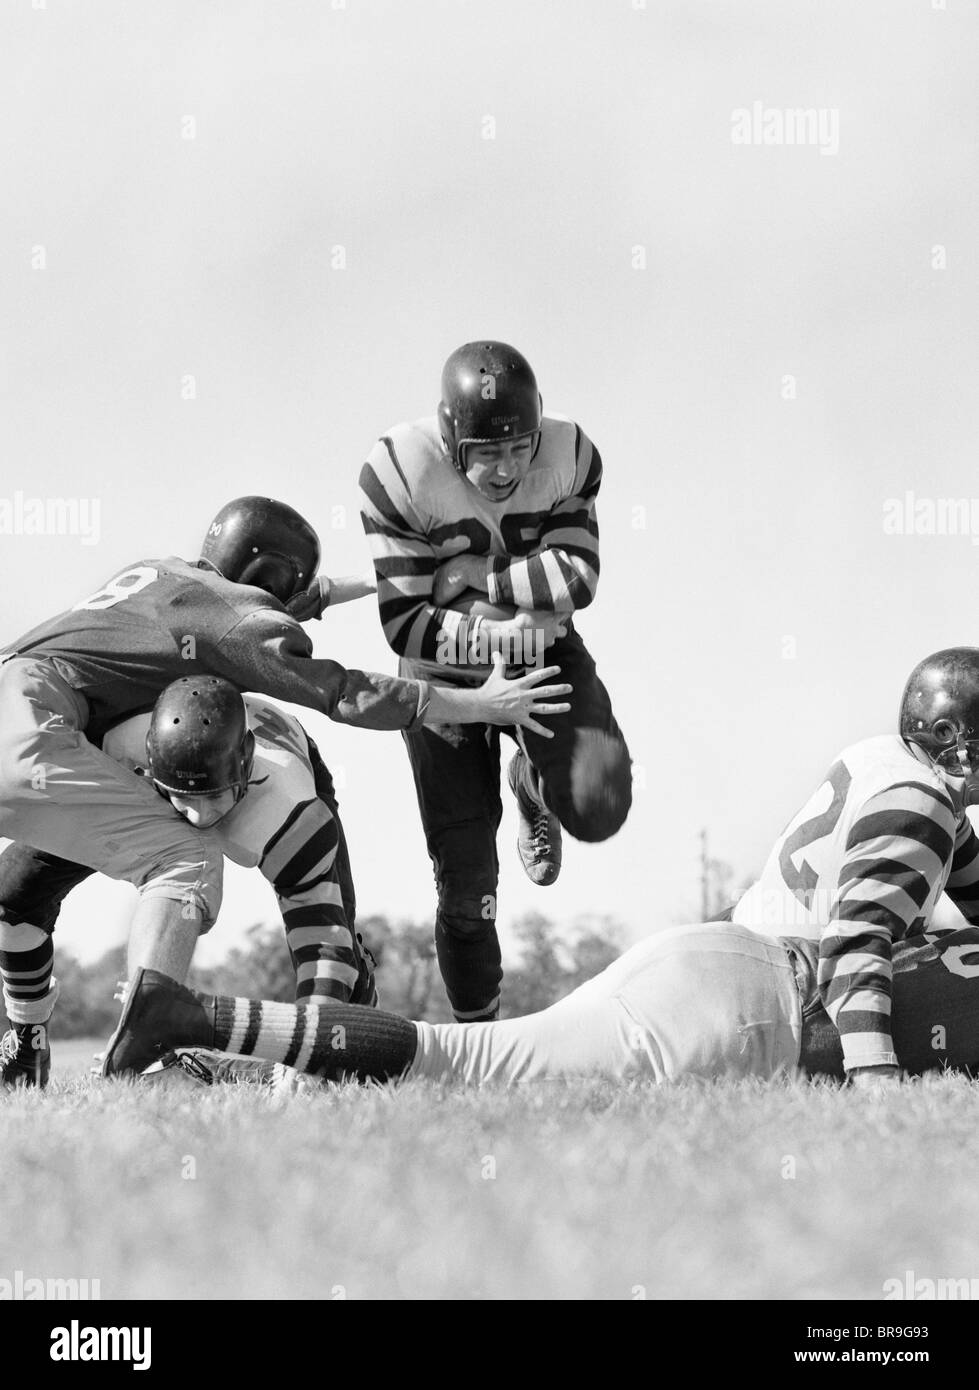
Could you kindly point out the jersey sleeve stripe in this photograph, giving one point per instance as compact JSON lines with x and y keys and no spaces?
{"x":900,"y":825}
{"x":936,"y":794}
{"x":862,"y":915}
{"x":304,"y":921}
{"x":866,"y":1016}
{"x":384,"y":512}
{"x":314,"y":857}
{"x":392,"y":455}
{"x":890,"y":872}
{"x":335,"y":971}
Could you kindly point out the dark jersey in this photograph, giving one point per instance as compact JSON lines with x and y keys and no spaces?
{"x":935,"y":994}
{"x":158,"y":620}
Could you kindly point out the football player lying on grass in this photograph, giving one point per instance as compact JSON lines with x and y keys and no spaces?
{"x":865,"y":861}
{"x":811,"y":987}
{"x":234,"y":613}
{"x":715,"y":1002}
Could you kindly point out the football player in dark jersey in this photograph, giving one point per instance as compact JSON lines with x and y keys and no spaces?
{"x":63,"y":684}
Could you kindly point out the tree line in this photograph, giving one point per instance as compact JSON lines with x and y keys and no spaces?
{"x":551,"y":962}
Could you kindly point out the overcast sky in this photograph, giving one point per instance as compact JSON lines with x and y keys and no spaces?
{"x":240,"y":239}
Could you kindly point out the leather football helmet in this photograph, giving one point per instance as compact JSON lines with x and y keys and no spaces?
{"x":489,"y":394}
{"x":258,"y":541}
{"x":198,"y":742}
{"x":940,"y":709}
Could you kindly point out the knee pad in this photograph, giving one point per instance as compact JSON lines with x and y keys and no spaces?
{"x":464,"y":910}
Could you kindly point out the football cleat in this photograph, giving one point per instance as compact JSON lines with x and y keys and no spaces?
{"x":216,"y":1068}
{"x":539,"y":836}
{"x":157,"y":1016}
{"x":192,"y":1063}
{"x":25,"y":1055}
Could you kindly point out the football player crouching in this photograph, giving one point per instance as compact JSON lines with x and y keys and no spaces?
{"x":245,"y":773}
{"x":236,"y":613}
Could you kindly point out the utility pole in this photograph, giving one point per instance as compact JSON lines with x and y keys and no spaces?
{"x":704,"y":878}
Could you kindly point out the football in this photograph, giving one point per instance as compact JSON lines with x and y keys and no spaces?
{"x":475,"y":604}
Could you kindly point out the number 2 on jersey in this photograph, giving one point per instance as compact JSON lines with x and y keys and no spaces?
{"x":802,"y":881}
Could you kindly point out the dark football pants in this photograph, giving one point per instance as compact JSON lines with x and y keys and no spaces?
{"x":585,"y":781}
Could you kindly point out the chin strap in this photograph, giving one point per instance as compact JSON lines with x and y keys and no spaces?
{"x":962,"y":753}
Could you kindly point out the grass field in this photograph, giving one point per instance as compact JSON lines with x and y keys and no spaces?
{"x":734,"y":1191}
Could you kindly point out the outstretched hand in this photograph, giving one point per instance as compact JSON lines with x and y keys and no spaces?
{"x":522,"y":700}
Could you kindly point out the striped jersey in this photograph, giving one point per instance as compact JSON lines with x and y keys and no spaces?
{"x":861,"y":867}
{"x":284,"y":828}
{"x":419,"y":510}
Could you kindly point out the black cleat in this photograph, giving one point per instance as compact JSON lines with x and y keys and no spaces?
{"x":157,"y":1016}
{"x":25,"y":1055}
{"x":539,"y":836}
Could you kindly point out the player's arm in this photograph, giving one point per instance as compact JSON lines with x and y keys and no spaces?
{"x":269,"y":653}
{"x":895,"y":853}
{"x":405,"y":565}
{"x":325,"y":592}
{"x":963,"y":880}
{"x":300,"y":861}
{"x":562,"y":575}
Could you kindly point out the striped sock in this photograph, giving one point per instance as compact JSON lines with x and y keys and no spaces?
{"x":26,"y":963}
{"x":334,"y":1041}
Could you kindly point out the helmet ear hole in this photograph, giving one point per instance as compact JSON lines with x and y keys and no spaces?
{"x":944,"y":731}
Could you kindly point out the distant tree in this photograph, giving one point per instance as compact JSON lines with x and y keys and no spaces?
{"x":260,"y":967}
{"x":595,"y":943}
{"x":550,"y":965}
{"x":86,"y":1006}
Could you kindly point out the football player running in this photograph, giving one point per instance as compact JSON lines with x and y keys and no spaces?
{"x":883,"y":838}
{"x":66,"y":682}
{"x":862,"y":865}
{"x":482,"y":527}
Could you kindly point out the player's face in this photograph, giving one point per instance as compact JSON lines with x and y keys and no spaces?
{"x":204,"y":811}
{"x":497,"y":470}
